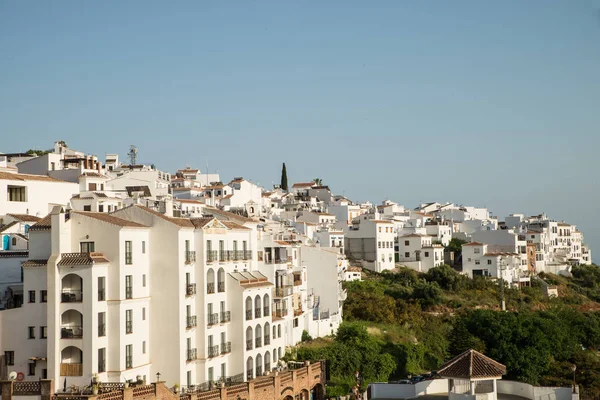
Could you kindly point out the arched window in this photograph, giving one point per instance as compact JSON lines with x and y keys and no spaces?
{"x":267,"y":361}
{"x":257,"y":306}
{"x":248,"y":308}
{"x":266,"y":305}
{"x":279,"y":333}
{"x":259,"y":367}
{"x":249,"y":368}
{"x":258,"y":336}
{"x":210,"y":281}
{"x":221,"y":280}
{"x":267,"y":332}
{"x":14,"y":241}
{"x":249,"y":338}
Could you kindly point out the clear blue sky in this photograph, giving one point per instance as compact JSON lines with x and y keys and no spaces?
{"x":490,"y":103}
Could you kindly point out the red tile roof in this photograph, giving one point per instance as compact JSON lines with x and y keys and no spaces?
{"x":43,"y":224}
{"x":111,"y":219}
{"x":27,"y":177}
{"x":472,"y":365}
{"x":25,"y":217}
{"x":82,"y":259}
{"x":34,"y":263}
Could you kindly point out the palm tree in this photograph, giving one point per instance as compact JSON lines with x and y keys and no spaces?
{"x":318,"y":181}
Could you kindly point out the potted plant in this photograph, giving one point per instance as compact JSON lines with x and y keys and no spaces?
{"x":95,"y":388}
{"x":126,"y":384}
{"x":176,"y":388}
{"x":95,"y":378}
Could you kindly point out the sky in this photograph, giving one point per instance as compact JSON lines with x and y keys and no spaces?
{"x":484,"y":103}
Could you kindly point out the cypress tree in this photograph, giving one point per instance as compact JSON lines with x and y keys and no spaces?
{"x":284,"y":182}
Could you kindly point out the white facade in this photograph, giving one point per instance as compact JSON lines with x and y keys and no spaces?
{"x":33,"y":194}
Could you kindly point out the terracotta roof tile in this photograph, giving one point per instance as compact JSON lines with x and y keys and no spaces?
{"x":43,"y":224}
{"x":34,"y":263}
{"x":82,"y":259}
{"x":111,"y":219}
{"x":93,"y":175}
{"x":183,"y":222}
{"x":303,"y":184}
{"x":7,"y":226}
{"x":201,"y":222}
{"x":25,"y":217}
{"x":381,"y":221}
{"x":472,"y":365}
{"x":226,"y":215}
{"x":233,"y":225}
{"x":27,"y":177}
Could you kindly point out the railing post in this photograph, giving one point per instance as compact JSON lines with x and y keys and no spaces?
{"x":223,"y":391}
{"x":128,"y":393}
{"x":7,"y":390}
{"x":251,"y":390}
{"x":46,"y":389}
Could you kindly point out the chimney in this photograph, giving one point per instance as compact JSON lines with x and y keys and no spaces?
{"x":99,"y":166}
{"x":169,"y":207}
{"x":60,"y":231}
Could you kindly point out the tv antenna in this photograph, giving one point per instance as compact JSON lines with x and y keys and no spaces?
{"x":132,"y":154}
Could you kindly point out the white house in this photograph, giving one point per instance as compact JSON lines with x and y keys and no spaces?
{"x":33,"y":194}
{"x":371,"y":241}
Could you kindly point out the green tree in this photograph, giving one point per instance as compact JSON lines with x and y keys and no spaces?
{"x":318,"y":181}
{"x":284,"y":181}
{"x":455,"y":245}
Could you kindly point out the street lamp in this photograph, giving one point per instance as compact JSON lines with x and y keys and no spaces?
{"x":158,"y":377}
{"x":574,"y":368}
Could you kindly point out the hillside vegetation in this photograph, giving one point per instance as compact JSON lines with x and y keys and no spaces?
{"x":405,"y":323}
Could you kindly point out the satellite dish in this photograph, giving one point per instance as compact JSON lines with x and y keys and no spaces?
{"x":12,"y":376}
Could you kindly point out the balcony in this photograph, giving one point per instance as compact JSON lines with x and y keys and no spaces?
{"x":266,"y":311}
{"x":257,"y":313}
{"x":67,"y":369}
{"x":192,"y":354}
{"x":211,"y":256}
{"x":298,"y":312}
{"x":280,"y":313}
{"x":213,"y":351}
{"x":247,"y":255}
{"x":191,"y":321}
{"x":210,"y":288}
{"x":213,"y":319}
{"x":249,"y":344}
{"x":267,"y":340}
{"x":190,"y":257}
{"x":190,"y":289}
{"x":225,"y":348}
{"x":248,"y":315}
{"x":221,"y":287}
{"x":225,"y":316}
{"x":223,"y":256}
{"x":71,"y":332}
{"x":71,"y":296}
{"x":258,"y":342}
{"x":238,"y":255}
{"x":283,"y":291}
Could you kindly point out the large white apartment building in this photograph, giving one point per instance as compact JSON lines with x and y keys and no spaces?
{"x":135,"y":292}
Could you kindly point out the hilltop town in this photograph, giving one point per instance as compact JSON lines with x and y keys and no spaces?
{"x":119,"y":271}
